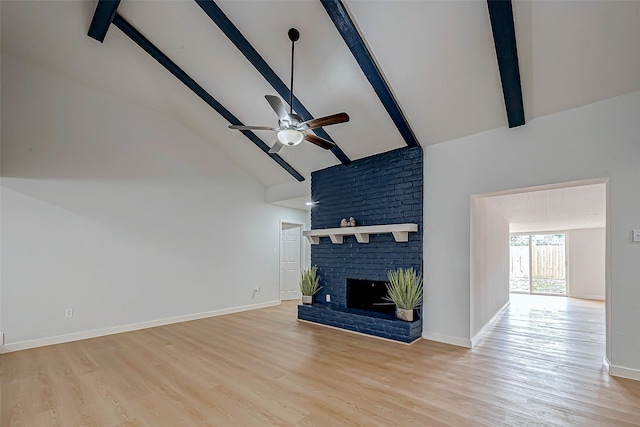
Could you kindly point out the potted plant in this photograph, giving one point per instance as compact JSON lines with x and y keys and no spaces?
{"x":309,"y":284}
{"x":405,"y":290}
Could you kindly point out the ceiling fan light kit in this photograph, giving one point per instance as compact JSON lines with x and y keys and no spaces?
{"x":291,"y":129}
{"x":290,"y":137}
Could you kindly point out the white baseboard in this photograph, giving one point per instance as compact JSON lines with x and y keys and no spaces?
{"x":460,"y":342}
{"x":463,"y":342}
{"x":485,"y":328}
{"x":76,"y":336}
{"x":619,"y":371}
{"x":594,"y":297}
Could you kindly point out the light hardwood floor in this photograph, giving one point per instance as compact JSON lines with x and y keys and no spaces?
{"x":539,"y":365}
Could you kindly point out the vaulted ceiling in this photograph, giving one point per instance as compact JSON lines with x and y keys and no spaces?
{"x":438,"y":58}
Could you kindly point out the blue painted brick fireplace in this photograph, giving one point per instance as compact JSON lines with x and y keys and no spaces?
{"x":381,"y":189}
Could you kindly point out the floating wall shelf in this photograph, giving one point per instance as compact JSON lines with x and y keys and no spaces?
{"x":400,"y":233}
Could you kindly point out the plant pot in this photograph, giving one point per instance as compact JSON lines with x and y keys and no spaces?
{"x":307,"y":299}
{"x":406,"y":315}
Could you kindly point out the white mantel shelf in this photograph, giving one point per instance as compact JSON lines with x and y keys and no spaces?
{"x":400,"y":233}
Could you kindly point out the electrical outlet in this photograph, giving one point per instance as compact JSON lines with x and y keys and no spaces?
{"x":68,"y":313}
{"x":327,"y":298}
{"x":636,"y":235}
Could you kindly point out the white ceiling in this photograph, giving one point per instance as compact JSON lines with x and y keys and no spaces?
{"x":300,"y":203}
{"x":438,"y":57}
{"x":555,"y":209}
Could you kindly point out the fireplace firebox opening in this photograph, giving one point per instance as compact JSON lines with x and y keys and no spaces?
{"x":369,"y":295}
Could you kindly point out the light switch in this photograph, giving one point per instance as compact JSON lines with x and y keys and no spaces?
{"x":636,"y":235}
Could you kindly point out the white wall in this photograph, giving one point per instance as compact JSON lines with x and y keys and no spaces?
{"x":489,"y":263}
{"x":598,"y":140}
{"x":587,"y":263}
{"x":122,"y":214}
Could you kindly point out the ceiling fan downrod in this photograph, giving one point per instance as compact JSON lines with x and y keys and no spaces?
{"x":294,"y":36}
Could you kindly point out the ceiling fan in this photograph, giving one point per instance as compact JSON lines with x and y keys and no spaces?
{"x":291,"y":128}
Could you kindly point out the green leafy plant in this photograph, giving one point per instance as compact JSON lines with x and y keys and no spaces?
{"x":310,"y":282}
{"x":405,"y":288}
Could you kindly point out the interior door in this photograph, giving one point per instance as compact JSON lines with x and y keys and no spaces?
{"x":290,"y":263}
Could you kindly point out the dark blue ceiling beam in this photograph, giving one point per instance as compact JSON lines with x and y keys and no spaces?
{"x":231,"y":31}
{"x":347,"y":29}
{"x":102,"y":18}
{"x":171,"y":66}
{"x":504,"y":38}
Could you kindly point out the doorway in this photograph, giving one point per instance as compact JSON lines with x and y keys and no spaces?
{"x":538,"y":264}
{"x":290,"y":260}
{"x":571,"y":262}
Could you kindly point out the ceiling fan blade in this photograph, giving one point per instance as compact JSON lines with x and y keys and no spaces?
{"x":333,"y":119}
{"x":238,"y":127}
{"x":276,"y":147}
{"x":278,"y":106}
{"x":320,"y":142}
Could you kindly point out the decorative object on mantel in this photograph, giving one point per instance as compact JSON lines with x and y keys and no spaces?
{"x":405,"y":290}
{"x":351,"y":222}
{"x":400,"y":232}
{"x":309,"y":284}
